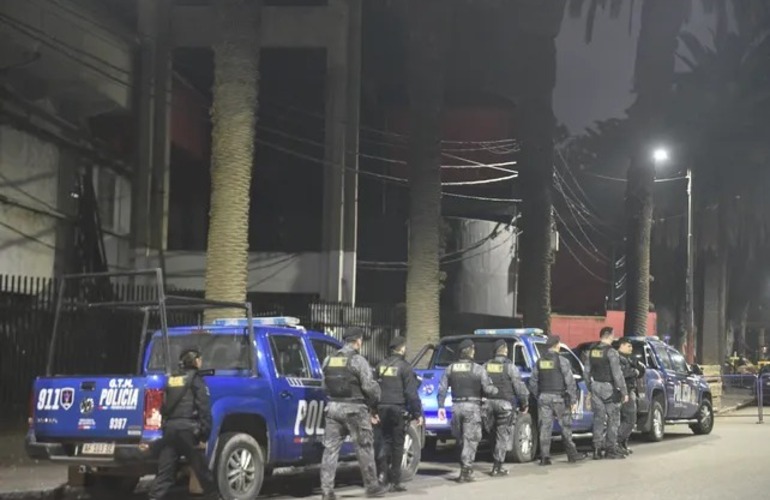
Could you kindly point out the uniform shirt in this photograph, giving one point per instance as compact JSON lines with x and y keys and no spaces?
{"x":617,"y":373}
{"x":195,"y":403}
{"x":477,"y":370}
{"x":566,"y":371}
{"x":519,"y":387}
{"x":632,"y":369}
{"x":409,"y":383}
{"x":363,"y":372}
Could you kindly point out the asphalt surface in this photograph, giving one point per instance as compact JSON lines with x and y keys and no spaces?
{"x":732,"y":462}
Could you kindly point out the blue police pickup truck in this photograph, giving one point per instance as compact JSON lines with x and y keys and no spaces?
{"x":670,"y":393}
{"x":267,"y":403}
{"x":525,"y":346}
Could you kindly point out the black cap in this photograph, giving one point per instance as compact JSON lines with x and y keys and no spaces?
{"x":500,"y":343}
{"x":188,"y":357}
{"x":353,"y":333}
{"x":552,"y":340}
{"x":397,"y":342}
{"x":466,"y":344}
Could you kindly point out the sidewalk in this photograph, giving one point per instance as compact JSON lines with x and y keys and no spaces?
{"x":20,"y":474}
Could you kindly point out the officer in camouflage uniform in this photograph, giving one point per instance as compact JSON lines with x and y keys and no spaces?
{"x":608,"y":391}
{"x":400,"y":404}
{"x":469,"y":382}
{"x":499,"y":409}
{"x":352,"y":393}
{"x":632,"y":369}
{"x":553,"y":384}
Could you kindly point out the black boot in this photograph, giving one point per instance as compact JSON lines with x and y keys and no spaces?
{"x":545,"y":461}
{"x":466,"y":475}
{"x":397,"y":487}
{"x":329,"y":496}
{"x":377,"y":491}
{"x":576,"y":457}
{"x":614,"y":454}
{"x":499,"y":470}
{"x":598,"y":454}
{"x":625,"y":448}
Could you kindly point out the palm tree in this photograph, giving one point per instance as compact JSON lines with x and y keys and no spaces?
{"x":233,"y":113}
{"x":539,"y":24}
{"x":428,"y":27}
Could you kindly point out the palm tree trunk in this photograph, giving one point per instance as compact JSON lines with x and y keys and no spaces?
{"x":654,"y":72}
{"x":540,"y":25}
{"x":429,"y":23}
{"x":233,"y":114}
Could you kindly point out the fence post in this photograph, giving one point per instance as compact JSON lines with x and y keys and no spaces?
{"x":760,"y":398}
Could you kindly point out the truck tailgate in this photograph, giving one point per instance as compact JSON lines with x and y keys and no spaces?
{"x":85,"y":408}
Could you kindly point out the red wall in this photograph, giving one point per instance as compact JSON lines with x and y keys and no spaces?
{"x":575,"y":330}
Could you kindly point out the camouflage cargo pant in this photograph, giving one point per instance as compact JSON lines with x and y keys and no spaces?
{"x":550,"y":406}
{"x":606,"y":416}
{"x":466,"y":427}
{"x":343,"y":419}
{"x":627,"y":418}
{"x":499,"y":415}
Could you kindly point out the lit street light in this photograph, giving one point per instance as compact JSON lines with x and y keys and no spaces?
{"x":660,"y":155}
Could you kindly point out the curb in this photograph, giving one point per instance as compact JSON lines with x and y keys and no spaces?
{"x":733,"y":408}
{"x":50,"y":494}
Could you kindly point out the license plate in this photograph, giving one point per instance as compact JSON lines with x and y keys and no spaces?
{"x":98,"y":449}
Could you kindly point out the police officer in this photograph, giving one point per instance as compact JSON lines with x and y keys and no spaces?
{"x":505,"y":376}
{"x":632,"y":369}
{"x":608,"y":391}
{"x":186,"y":413}
{"x":352,"y":393}
{"x":399,"y":404}
{"x":469,"y":382}
{"x":553,"y":384}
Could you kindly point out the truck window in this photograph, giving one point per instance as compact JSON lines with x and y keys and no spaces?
{"x":649,"y":359}
{"x":520,"y":357}
{"x":289,"y":356}
{"x":220,"y":351}
{"x":677,"y":361}
{"x":323,"y":349}
{"x":577,"y":369}
{"x":449,"y":351}
{"x":664,"y":359}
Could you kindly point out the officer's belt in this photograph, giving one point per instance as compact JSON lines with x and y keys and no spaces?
{"x":466,"y":400}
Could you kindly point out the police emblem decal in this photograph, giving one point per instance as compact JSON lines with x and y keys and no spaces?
{"x":86,"y":406}
{"x":67,"y":398}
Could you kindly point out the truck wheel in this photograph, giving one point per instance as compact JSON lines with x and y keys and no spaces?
{"x":240,"y":466}
{"x":524,"y":440}
{"x":657,"y":423}
{"x":705,"y":419}
{"x":412,"y":454}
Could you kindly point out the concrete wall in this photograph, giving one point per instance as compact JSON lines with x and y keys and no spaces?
{"x":28,"y":189}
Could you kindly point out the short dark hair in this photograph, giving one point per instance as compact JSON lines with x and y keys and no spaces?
{"x":605,"y":332}
{"x":624,"y":341}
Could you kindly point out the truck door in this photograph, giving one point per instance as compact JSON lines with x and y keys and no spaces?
{"x":686,"y":395}
{"x":299,"y":399}
{"x":672,"y":381}
{"x":582,"y":419}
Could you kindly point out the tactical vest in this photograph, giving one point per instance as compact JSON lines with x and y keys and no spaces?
{"x":498,"y":371}
{"x":342,"y":385}
{"x":551,"y":379}
{"x":600,"y":364}
{"x":627,"y":367}
{"x":179,"y":398}
{"x":391,"y":381}
{"x":466,"y":386}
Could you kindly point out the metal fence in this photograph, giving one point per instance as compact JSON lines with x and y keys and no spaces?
{"x":109,"y":341}
{"x":742,"y":395}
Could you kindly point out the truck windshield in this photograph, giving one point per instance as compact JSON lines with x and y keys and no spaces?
{"x":449,"y":351}
{"x":220,"y":351}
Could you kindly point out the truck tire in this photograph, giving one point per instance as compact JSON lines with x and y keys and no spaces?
{"x":412,"y":454}
{"x":705,"y":419}
{"x":239,"y":469}
{"x":657,"y":423}
{"x":524,"y":440}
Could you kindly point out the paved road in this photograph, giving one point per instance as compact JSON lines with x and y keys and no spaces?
{"x":732,"y":462}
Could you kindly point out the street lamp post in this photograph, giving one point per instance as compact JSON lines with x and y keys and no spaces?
{"x":688,"y":302}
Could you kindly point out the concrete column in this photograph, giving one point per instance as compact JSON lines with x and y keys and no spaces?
{"x":140,"y":187}
{"x":341,"y":186}
{"x":712,"y":344}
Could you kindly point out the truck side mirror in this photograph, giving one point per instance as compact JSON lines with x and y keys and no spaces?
{"x":696,"y":369}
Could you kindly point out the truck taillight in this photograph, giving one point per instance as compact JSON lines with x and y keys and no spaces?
{"x":31,"y":417}
{"x":153,"y":400}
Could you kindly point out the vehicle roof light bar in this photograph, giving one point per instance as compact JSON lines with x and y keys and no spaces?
{"x":509,"y":331}
{"x":285,"y":321}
